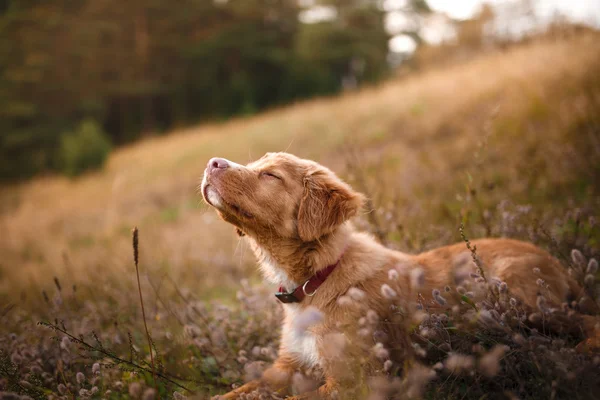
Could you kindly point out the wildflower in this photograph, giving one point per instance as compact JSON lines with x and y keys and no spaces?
{"x":387,"y":365}
{"x":577,"y":257}
{"x":344,"y":301}
{"x":364,"y":332}
{"x":80,"y":378}
{"x":149,"y":394}
{"x":135,"y":389}
{"x":64,"y":344}
{"x":417,"y":379}
{"x":62,"y":389}
{"x":518,"y":339}
{"x":393,"y":275}
{"x":539,"y":282}
{"x":387,"y":291}
{"x":94,"y":390}
{"x":541,"y":304}
{"x":417,"y":278}
{"x":372,"y":317}
{"x":266,"y":352}
{"x":488,"y":319}
{"x":178,"y":396}
{"x":536,"y":271}
{"x":460,"y":290}
{"x":96,"y":369}
{"x":459,"y":363}
{"x":426,"y":333}
{"x":438,"y":297}
{"x":513,"y":302}
{"x":535,"y":318}
{"x":307,"y":318}
{"x":419,"y":317}
{"x":380,"y":351}
{"x":489,"y":364}
{"x":356,"y":294}
{"x":192,"y":331}
{"x":253,"y":370}
{"x":592,"y":267}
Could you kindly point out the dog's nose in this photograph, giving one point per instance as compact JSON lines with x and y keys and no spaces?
{"x":217,"y":163}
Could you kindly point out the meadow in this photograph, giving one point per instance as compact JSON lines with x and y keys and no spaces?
{"x":506,"y":145}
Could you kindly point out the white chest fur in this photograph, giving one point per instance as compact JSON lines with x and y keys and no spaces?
{"x":300,"y":344}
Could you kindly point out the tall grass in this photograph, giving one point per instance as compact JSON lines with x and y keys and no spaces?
{"x":506,"y":145}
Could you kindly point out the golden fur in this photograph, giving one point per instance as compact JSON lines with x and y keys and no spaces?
{"x":295,"y":214}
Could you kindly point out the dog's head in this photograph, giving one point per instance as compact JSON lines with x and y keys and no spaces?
{"x":279,"y":196}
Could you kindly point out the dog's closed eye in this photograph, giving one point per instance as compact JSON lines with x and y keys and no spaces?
{"x":269,"y":175}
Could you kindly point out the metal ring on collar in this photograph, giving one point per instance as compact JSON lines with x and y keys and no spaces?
{"x":304,"y":289}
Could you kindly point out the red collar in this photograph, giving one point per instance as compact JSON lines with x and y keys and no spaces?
{"x":309,"y":288}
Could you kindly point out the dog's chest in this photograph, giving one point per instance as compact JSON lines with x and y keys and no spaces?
{"x":300,"y":344}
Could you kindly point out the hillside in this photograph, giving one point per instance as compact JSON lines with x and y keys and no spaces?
{"x":522,"y":121}
{"x":507,"y":143}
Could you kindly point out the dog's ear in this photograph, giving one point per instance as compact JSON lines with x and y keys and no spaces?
{"x":327,"y":202}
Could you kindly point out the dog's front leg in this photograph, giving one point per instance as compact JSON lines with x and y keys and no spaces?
{"x":328,"y":391}
{"x":276,"y":378}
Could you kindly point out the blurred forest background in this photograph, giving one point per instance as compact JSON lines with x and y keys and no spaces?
{"x":79,"y":77}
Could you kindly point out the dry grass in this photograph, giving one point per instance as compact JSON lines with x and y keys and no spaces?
{"x":468,"y":143}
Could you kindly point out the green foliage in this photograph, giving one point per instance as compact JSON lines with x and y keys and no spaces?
{"x":146,"y":66}
{"x":84,"y":149}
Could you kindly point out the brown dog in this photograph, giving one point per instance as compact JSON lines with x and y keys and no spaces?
{"x":294,"y":213}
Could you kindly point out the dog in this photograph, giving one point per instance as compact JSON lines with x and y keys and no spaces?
{"x":296,"y":214}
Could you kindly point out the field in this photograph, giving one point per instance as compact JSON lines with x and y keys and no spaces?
{"x":507,"y":144}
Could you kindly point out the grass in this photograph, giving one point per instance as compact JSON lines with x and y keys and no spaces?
{"x":507,"y":144}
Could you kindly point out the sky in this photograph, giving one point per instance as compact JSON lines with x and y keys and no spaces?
{"x":581,"y":11}
{"x":507,"y":23}
{"x":585,"y":11}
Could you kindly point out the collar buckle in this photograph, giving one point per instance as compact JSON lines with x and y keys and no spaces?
{"x":299,"y":293}
{"x":286,"y":298}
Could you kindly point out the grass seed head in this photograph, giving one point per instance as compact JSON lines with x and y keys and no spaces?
{"x":388,"y":292}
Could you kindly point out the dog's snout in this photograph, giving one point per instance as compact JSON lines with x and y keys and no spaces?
{"x":217,"y":164}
